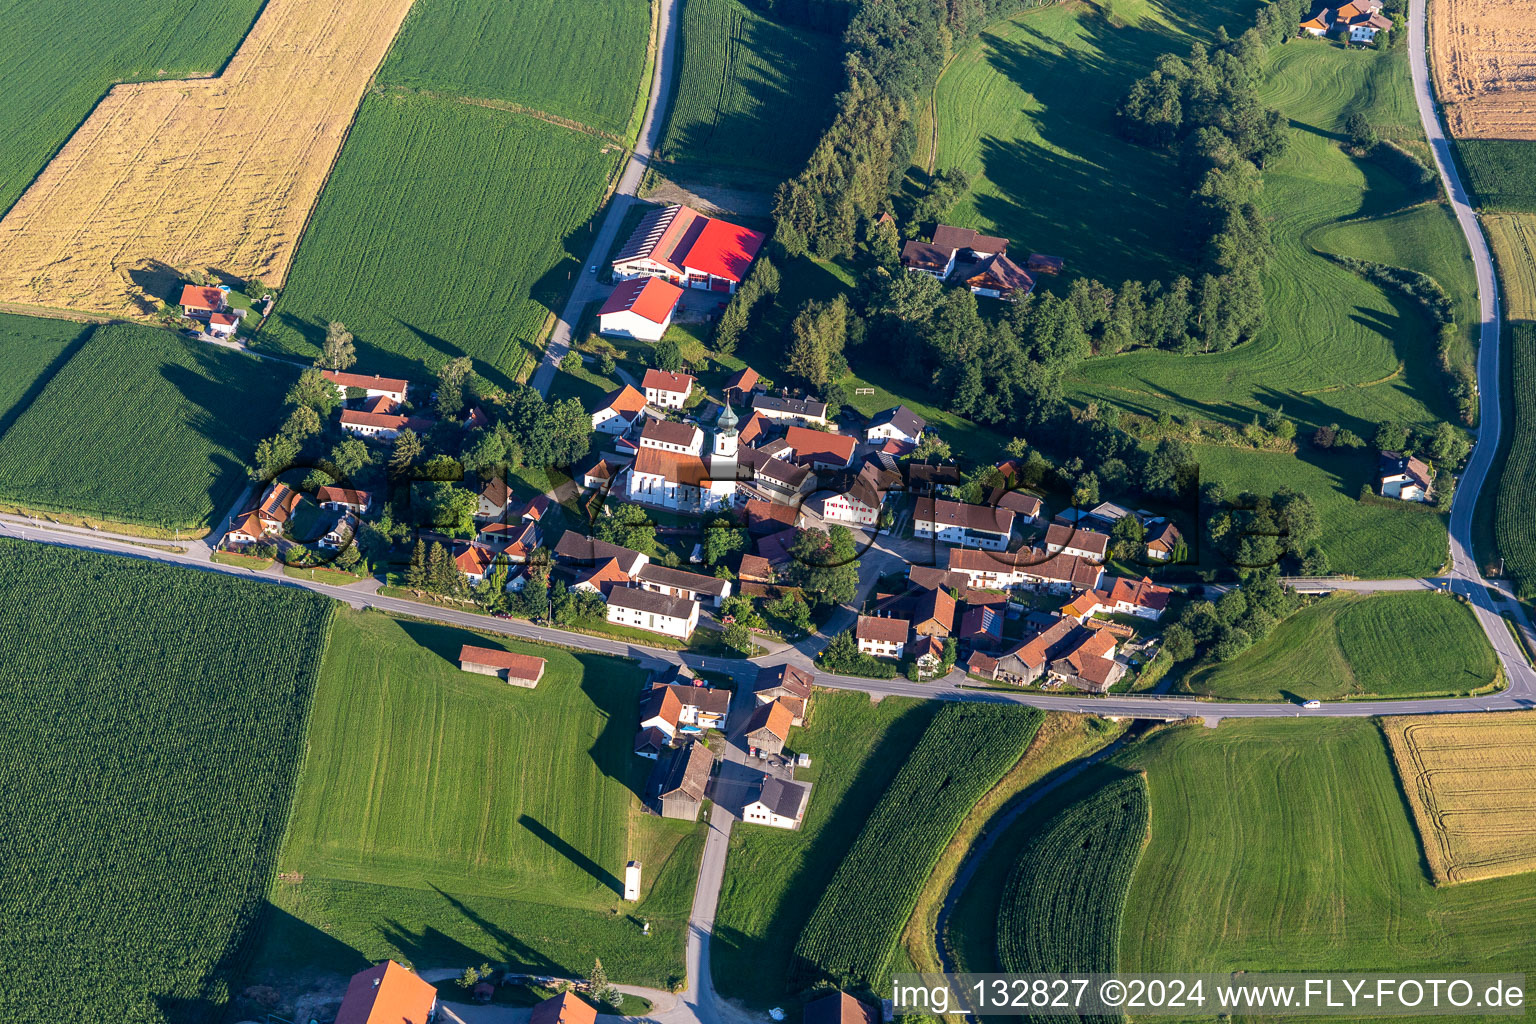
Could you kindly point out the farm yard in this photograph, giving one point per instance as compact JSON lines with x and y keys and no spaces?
{"x":218,"y":173}
{"x":853,"y":934}
{"x":753,"y":96}
{"x":1284,"y":845}
{"x":446,"y":229}
{"x":1482,"y":60}
{"x":489,"y":50}
{"x":57,"y":62}
{"x":1409,"y":644}
{"x":141,"y":427}
{"x":1061,"y":908}
{"x":1469,"y":782}
{"x":149,"y":767}
{"x":773,"y":878}
{"x":433,"y":795}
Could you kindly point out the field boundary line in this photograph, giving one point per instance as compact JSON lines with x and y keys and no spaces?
{"x":507,"y":106}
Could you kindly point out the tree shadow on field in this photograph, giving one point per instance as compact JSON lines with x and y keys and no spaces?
{"x":565,"y":849}
{"x":1402,"y":794}
{"x":613,"y":750}
{"x":511,"y":948}
{"x":443,"y":641}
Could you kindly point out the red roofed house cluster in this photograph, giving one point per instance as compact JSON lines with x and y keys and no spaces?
{"x":978,"y":261}
{"x":687,"y":248}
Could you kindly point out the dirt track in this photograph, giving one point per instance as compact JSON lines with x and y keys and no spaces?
{"x":214,"y":173}
{"x":1485,"y":66}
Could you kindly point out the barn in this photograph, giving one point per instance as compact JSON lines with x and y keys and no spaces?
{"x":685,"y":247}
{"x":641,"y":309}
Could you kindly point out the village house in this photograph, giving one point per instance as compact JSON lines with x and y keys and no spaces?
{"x":778,"y":479}
{"x":925,"y":478}
{"x":602,"y":469}
{"x":1405,"y":477}
{"x":566,"y":1008}
{"x":1061,"y":539}
{"x":267,"y":518}
{"x":618,"y":411}
{"x":933,"y":614}
{"x":754,"y":427}
{"x":660,"y":713}
{"x":517,"y":540}
{"x":677,"y":784}
{"x":1162,"y":542}
{"x":1358,"y":21}
{"x":578,"y":550}
{"x":839,"y":1008}
{"x":1141,"y":598}
{"x":223,"y":325}
{"x":768,"y":728}
{"x":699,"y":707}
{"x":765,"y":517}
{"x":998,"y":277}
{"x":518,"y":669}
{"x":340,"y":533}
{"x":1026,"y":662}
{"x":686,"y":247}
{"x":818,"y":449}
{"x":898,"y":424}
{"x":972,"y":526}
{"x":1030,"y":568}
{"x":678,"y":583}
{"x":881,"y":636}
{"x":853,"y":499}
{"x":494,"y":497}
{"x":344,"y":498}
{"x":666,"y":390}
{"x":383,"y":426}
{"x":202,"y":301}
{"x":1088,"y":661}
{"x":672,"y":436}
{"x":738,"y":387}
{"x":927,"y":258}
{"x":807,"y":412}
{"x":927,"y":653}
{"x":372,"y":386}
{"x":474,"y":561}
{"x":755,"y":569}
{"x":789,"y":686}
{"x":980,"y":624}
{"x":641,"y":308}
{"x":654,"y":612}
{"x":387,"y":994}
{"x":778,"y":804}
{"x":1022,"y":504}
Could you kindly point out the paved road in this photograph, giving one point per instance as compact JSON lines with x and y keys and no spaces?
{"x":587,"y":288}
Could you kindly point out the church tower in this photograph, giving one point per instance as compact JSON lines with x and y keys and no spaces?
{"x":725,"y":433}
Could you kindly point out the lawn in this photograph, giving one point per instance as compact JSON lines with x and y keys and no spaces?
{"x":578,"y":61}
{"x":153,"y":725}
{"x":753,"y":95}
{"x":1286,"y":846}
{"x":773,"y":878}
{"x":446,"y":229}
{"x":143,"y":427}
{"x":443,"y":812}
{"x":1373,"y":537}
{"x":31,"y":351}
{"x":57,"y":62}
{"x":1408,"y":644}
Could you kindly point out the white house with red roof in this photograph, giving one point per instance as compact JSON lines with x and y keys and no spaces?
{"x":619,"y":411}
{"x":223,"y":325}
{"x":385,"y":426}
{"x":374,"y":386}
{"x":666,"y":390}
{"x":686,"y":247}
{"x":641,"y":308}
{"x":203,"y":301}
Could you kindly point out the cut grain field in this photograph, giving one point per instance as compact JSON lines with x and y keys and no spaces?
{"x":151,"y":727}
{"x":1472,"y":785}
{"x":1485,"y":67}
{"x":141,"y":426}
{"x":214,"y":173}
{"x":447,"y":229}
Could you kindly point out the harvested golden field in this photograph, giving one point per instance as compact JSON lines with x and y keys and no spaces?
{"x":1485,"y":66}
{"x":1471,"y":780}
{"x":216,"y":173}
{"x":1513,"y":236}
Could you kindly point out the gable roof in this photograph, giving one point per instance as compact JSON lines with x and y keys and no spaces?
{"x":197,"y":296}
{"x":786,"y":799}
{"x":386,"y":994}
{"x":663,"y":380}
{"x":224,"y":320}
{"x":794,"y":681}
{"x":496,"y":491}
{"x":946,"y":237}
{"x":661,"y":703}
{"x":752,"y":427}
{"x":917,"y":255}
{"x":1166,"y":538}
{"x":762,"y":514}
{"x":1022,"y":502}
{"x":818,"y":445}
{"x":671,"y":432}
{"x":883,"y":629}
{"x":522,"y":666}
{"x":650,"y":298}
{"x":393,"y":421}
{"x":839,"y":1008}
{"x":979,"y":621}
{"x":1398,"y":464}
{"x":755,"y":568}
{"x":1046,"y":645}
{"x":1000,"y":271}
{"x":635,"y":599}
{"x":688,"y":772}
{"x":903,"y":419}
{"x":775,"y":716}
{"x":365,"y":381}
{"x":983,"y":518}
{"x":743,"y":380}
{"x":1073,"y":569}
{"x":625,"y":400}
{"x":474,"y":560}
{"x":1076,"y":537}
{"x":807,"y":407}
{"x":673,"y":467}
{"x":666,"y":576}
{"x":343,"y":495}
{"x":775,"y":546}
{"x":1142,"y":593}
{"x":584,"y":550}
{"x":709,"y":699}
{"x":566,"y":1008}
{"x":933,"y":578}
{"x":935,"y":606}
{"x":723,"y":250}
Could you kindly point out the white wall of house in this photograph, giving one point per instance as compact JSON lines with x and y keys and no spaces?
{"x":889,"y":432}
{"x":626,"y":323}
{"x":758,"y":813}
{"x":666,"y":399}
{"x":666,"y":625}
{"x":881,"y":648}
{"x":611,"y":421}
{"x":843,"y":509}
{"x":961,"y":537}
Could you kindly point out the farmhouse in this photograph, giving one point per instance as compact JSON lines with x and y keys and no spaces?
{"x":344,"y":498}
{"x":1141,"y":598}
{"x":518,"y":669}
{"x":671,"y":436}
{"x":778,"y":804}
{"x":677,"y":785}
{"x":517,"y":540}
{"x":819,"y":449}
{"x":641,"y":309}
{"x":789,"y":686}
{"x":677,"y":583}
{"x":666,"y":390}
{"x":856,"y":499}
{"x":950,"y":246}
{"x":980,"y":624}
{"x":881,"y":636}
{"x":202,"y":302}
{"x":386,"y":426}
{"x":740,"y":385}
{"x":933,"y":614}
{"x":653,"y":612}
{"x":699,"y":707}
{"x":1162,"y":542}
{"x":374,"y":386}
{"x":566,"y":1008}
{"x":387,"y":994}
{"x":998,"y":277}
{"x":494,"y":497}
{"x":1405,"y":477}
{"x":768,"y":728}
{"x":277,"y":507}
{"x":660,"y":711}
{"x":575,"y":549}
{"x":1061,"y":539}
{"x":618,"y":411}
{"x":1088,"y":661}
{"x":1359,"y":21}
{"x":1022,"y":504}
{"x":474,"y":561}
{"x":806,"y":412}
{"x":898,"y":424}
{"x":839,"y":1008}
{"x":340,"y":533}
{"x":685,"y":247}
{"x":1027,"y":662}
{"x":1031,"y":568}
{"x":972,"y":526}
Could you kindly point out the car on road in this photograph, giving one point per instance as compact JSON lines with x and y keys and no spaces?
{"x":1313,"y":703}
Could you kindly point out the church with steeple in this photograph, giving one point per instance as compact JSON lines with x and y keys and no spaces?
{"x":691,"y":483}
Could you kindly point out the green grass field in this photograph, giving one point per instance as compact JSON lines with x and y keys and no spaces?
{"x":774,"y":878}
{"x":31,"y":351}
{"x":753,"y":95}
{"x":446,"y":229}
{"x":442,"y":811}
{"x":153,"y":725}
{"x":1287,"y":846}
{"x":1513,"y":529}
{"x":58,"y":62}
{"x":141,"y":426}
{"x":1374,"y":538}
{"x":578,"y":61}
{"x":1501,"y":173}
{"x":1027,"y":110}
{"x":1383,"y":645}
